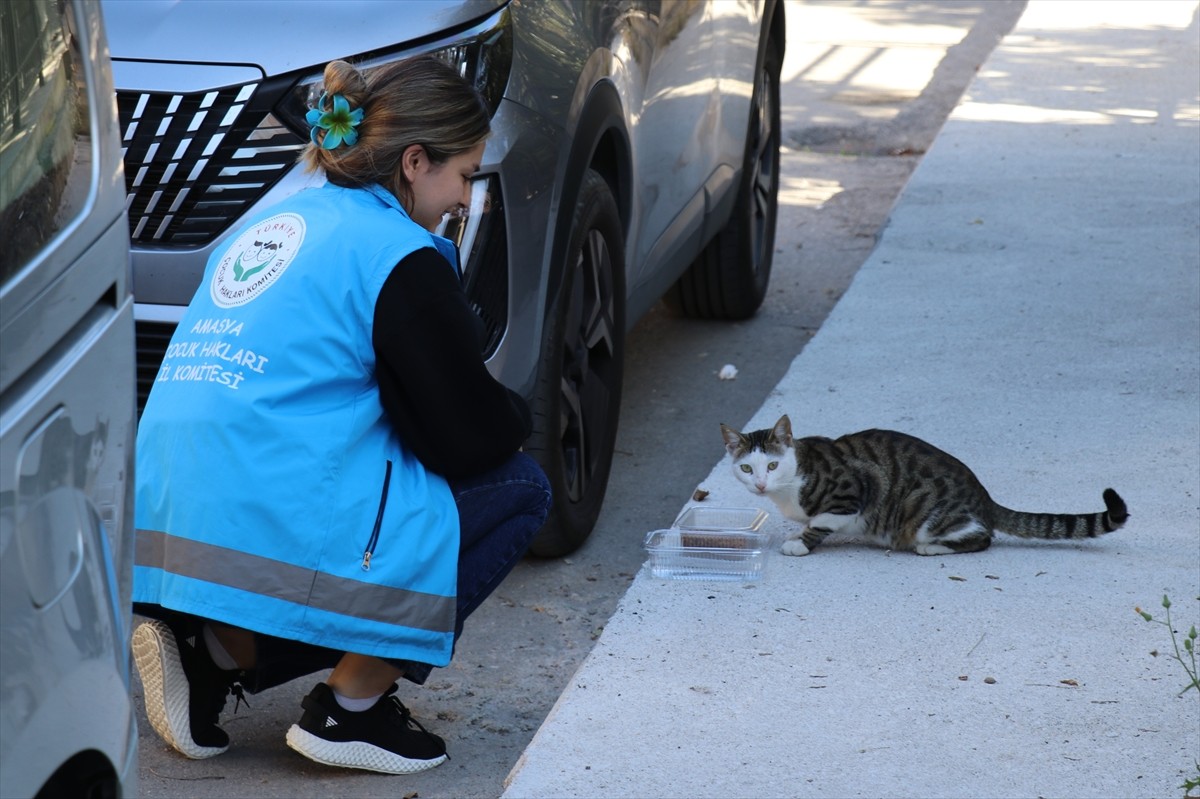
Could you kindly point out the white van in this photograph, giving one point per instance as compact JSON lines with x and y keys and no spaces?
{"x":67,"y":411}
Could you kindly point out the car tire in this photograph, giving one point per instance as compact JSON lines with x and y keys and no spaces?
{"x":729,"y":278}
{"x":577,"y":398}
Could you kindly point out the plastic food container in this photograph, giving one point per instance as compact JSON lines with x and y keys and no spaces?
{"x":677,"y":554}
{"x":744,"y":520}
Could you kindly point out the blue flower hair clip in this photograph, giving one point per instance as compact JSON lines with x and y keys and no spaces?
{"x":339,"y":122}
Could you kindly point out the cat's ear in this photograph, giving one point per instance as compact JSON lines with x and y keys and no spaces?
{"x":783,"y":430}
{"x":733,"y":438}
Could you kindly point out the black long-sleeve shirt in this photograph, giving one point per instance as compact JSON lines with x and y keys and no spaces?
{"x":446,"y":406}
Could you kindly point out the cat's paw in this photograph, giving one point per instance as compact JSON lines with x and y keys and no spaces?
{"x":794,"y":547}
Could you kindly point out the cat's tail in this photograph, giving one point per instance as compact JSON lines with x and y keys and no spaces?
{"x":1064,"y":525}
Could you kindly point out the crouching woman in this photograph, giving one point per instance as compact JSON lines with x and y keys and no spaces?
{"x":328,"y":475}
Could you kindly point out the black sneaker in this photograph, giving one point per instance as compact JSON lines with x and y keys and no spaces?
{"x":184,"y":690}
{"x":383,"y":738}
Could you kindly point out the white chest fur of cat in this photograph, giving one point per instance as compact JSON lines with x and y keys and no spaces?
{"x":890,"y":487}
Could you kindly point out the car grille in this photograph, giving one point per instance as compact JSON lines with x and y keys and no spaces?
{"x":194,"y":163}
{"x":151,"y":346}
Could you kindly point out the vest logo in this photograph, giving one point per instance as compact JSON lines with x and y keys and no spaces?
{"x":256,"y":259}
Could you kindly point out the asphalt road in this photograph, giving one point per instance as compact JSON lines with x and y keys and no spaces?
{"x":866,"y":87}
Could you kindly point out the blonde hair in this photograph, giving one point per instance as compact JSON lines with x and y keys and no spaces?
{"x":419,"y":100}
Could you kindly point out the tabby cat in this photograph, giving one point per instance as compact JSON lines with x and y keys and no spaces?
{"x":892,"y":488}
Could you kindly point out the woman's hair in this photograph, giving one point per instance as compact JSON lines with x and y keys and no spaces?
{"x":418,"y":100}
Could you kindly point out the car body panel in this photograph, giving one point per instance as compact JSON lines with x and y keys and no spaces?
{"x":276,"y":36}
{"x":67,"y":413}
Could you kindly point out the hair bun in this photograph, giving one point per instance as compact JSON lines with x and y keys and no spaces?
{"x":342,"y":77}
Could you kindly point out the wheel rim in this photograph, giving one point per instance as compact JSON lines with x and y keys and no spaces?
{"x":589,"y":363}
{"x":765,"y":178}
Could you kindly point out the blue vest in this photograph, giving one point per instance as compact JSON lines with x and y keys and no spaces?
{"x":272,"y":493}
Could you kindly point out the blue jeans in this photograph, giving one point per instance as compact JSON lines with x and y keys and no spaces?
{"x":499,"y":512}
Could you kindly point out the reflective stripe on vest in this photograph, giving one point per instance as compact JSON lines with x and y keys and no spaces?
{"x":295,"y":584}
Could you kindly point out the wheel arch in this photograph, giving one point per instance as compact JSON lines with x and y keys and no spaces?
{"x":601,"y":143}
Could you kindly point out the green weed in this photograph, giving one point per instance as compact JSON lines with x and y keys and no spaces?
{"x":1186,"y":658}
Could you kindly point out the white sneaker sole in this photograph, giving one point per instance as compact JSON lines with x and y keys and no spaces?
{"x":166,"y":689}
{"x":355,"y":754}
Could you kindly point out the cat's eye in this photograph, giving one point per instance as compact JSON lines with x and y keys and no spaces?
{"x":772,"y":466}
{"x":747,"y":468}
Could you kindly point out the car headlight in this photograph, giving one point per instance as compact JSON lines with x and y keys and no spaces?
{"x":482,"y":54}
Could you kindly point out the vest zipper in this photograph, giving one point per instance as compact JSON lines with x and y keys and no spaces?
{"x":370,"y":550}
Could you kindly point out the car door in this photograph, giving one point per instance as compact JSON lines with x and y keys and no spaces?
{"x":673,"y":148}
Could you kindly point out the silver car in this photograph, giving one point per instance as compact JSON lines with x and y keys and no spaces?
{"x":634,"y":157}
{"x":67,"y":412}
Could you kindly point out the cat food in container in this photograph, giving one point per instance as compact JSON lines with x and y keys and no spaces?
{"x":710,"y":544}
{"x":744,"y":520}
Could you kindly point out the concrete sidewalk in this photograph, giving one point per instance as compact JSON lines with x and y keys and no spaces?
{"x":1033,"y":308}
